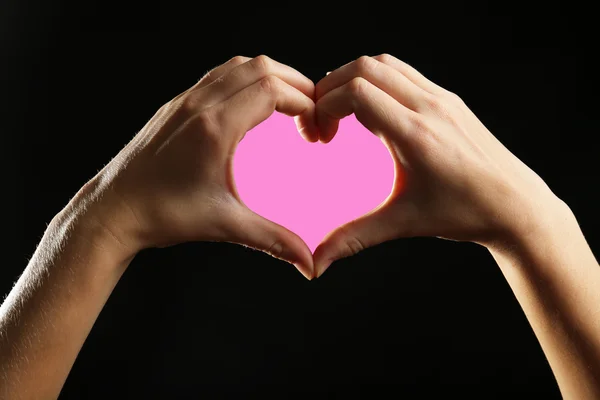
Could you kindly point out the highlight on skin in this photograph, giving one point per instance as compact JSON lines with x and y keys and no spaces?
{"x":172,"y":184}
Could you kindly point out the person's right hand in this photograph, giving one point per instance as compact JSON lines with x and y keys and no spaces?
{"x":174,"y":183}
{"x":453,"y":178}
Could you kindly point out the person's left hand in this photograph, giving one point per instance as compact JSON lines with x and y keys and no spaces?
{"x":453,"y":177}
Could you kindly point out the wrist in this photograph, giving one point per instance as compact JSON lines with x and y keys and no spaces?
{"x":543,"y":224}
{"x":92,"y":220}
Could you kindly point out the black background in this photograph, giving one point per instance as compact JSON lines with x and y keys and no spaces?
{"x":217,"y":319}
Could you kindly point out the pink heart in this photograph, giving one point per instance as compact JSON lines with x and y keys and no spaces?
{"x":311,"y":188}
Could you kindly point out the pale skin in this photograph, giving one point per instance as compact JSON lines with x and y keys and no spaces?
{"x":173,"y":183}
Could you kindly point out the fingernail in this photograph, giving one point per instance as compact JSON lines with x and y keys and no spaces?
{"x":322,"y":267}
{"x":302,"y":271}
{"x":328,"y":72}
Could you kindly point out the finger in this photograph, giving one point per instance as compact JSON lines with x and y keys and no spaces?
{"x":161,"y":118}
{"x":251,"y":72}
{"x":250,"y":229}
{"x":378,"y":226}
{"x":411,"y":73}
{"x":374,"y":108}
{"x":379,"y":74}
{"x":255,"y":103}
{"x":221,"y":70}
{"x":215,"y":74}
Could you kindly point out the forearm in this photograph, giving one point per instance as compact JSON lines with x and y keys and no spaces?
{"x":50,"y":311}
{"x":556,"y":280}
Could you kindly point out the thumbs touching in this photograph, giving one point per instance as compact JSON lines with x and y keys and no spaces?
{"x":247,"y":228}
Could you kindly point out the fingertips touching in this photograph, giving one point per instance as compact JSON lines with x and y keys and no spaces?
{"x":330,"y":109}
{"x":307,"y":126}
{"x":327,"y":127}
{"x":255,"y":103}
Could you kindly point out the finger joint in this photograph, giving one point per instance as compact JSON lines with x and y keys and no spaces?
{"x":204,"y":123}
{"x":385,"y":58}
{"x":366,"y":65}
{"x":238,"y":60}
{"x":262,"y":64}
{"x":270,"y":84}
{"x":357,"y":86}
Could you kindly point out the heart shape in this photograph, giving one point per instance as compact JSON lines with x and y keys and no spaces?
{"x":311,"y":188}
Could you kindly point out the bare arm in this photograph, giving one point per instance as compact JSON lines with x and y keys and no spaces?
{"x":171,"y":184}
{"x":455,"y":180}
{"x":50,"y":311}
{"x":556,"y":279}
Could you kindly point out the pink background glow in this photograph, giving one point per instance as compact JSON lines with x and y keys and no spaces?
{"x":311,"y":188}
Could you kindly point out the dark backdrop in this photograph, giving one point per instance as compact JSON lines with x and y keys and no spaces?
{"x":208,"y":318}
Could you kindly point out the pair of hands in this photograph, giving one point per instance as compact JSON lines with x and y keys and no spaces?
{"x":174,"y":183}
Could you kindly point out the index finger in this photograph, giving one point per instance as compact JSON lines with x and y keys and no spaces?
{"x":411,"y":73}
{"x":379,"y":74}
{"x":255,"y":103}
{"x":251,"y":72}
{"x":214,"y":74}
{"x":373,"y":107}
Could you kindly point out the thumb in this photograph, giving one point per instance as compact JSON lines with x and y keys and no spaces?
{"x":384,"y":223}
{"x":247,"y":228}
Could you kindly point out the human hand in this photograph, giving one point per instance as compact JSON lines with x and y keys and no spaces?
{"x":174,"y":183}
{"x":453,"y":178}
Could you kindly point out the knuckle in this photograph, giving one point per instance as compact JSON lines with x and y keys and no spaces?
{"x":270,"y":84}
{"x":431,"y":101}
{"x":436,"y":104}
{"x":419,"y":125}
{"x":204,"y":123}
{"x":189,"y":105}
{"x":424,"y":134}
{"x":366,"y":64}
{"x":262,"y":63}
{"x":385,"y":58}
{"x":237,"y":60}
{"x":357,"y":86}
{"x":454,"y":97}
